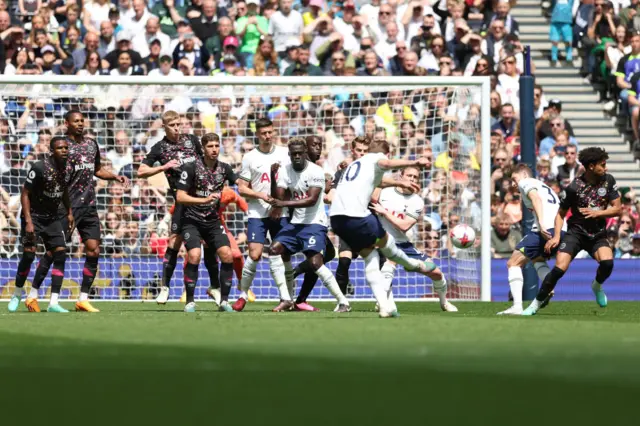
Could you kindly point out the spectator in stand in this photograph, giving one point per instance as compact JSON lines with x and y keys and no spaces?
{"x":197,"y":56}
{"x":169,"y":13}
{"x":264,"y":56}
{"x":543,"y":171}
{"x":123,"y":40}
{"x":92,"y":66}
{"x":302,"y":64}
{"x":568,"y":171}
{"x":492,"y":43}
{"x":214,"y":45}
{"x":107,"y":41}
{"x":561,"y":29}
{"x":557,"y":128}
{"x":509,"y":82}
{"x":141,"y":42}
{"x":136,"y":23}
{"x":72,"y":19}
{"x":165,"y":69}
{"x":507,"y":123}
{"x":430,"y":61}
{"x":206,"y":25}
{"x":91,"y":43}
{"x":371,"y":66}
{"x":502,"y":11}
{"x":284,"y":24}
{"x":504,"y":238}
{"x":95,"y":13}
{"x":250,"y":29}
{"x":121,"y":154}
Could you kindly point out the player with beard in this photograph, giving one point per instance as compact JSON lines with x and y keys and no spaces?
{"x":199,"y":189}
{"x":83,"y":163}
{"x":592,"y":197}
{"x":307,"y":230}
{"x":170,"y":154}
{"x":43,"y":191}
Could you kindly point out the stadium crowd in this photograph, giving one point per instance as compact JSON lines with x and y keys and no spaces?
{"x":176,"y":38}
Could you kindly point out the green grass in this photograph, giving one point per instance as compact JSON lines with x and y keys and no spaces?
{"x":574,"y":362}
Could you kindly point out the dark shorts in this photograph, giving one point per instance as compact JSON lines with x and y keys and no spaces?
{"x":532,"y":245}
{"x":176,"y":219}
{"x":87,"y":223}
{"x":257,"y":229}
{"x":411,"y":252}
{"x":50,"y":231}
{"x":301,"y":238}
{"x":212,"y":233}
{"x":574,"y":242}
{"x":358,"y":232}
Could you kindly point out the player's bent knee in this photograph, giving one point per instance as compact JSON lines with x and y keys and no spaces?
{"x":225,"y":254}
{"x":29,"y":254}
{"x":517,"y":259}
{"x":194,"y":256}
{"x":435,"y":275}
{"x":316,"y":261}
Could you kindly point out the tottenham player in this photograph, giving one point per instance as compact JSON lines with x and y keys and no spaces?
{"x":170,"y":153}
{"x":592,"y":197}
{"x":199,"y":190}
{"x":352,"y":220}
{"x":255,"y":185}
{"x":307,"y":230}
{"x":544,"y":204}
{"x":42,"y":193}
{"x":359,"y":147}
{"x":399,"y":210}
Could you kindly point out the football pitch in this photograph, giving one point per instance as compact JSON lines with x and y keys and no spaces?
{"x":574,"y":362}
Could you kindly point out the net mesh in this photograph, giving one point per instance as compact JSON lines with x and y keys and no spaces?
{"x":440,"y":122}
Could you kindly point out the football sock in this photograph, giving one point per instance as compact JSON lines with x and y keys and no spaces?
{"x":238,"y":264}
{"x":308,"y":283}
{"x":33,"y":293}
{"x":42,"y":270}
{"x":226,"y":277}
{"x":549,"y":283}
{"x":392,"y":252}
{"x":54,"y":298}
{"x":342,"y":273}
{"x":375,"y":279}
{"x":604,"y":271}
{"x":388,"y":271}
{"x":330,"y":282}
{"x":211,"y":263}
{"x":89,"y":273}
{"x":542,"y":269}
{"x":248,"y":272}
{"x":288,"y":275}
{"x":57,"y":274}
{"x":440,"y":286}
{"x":276,"y":267}
{"x":23,"y":268}
{"x":190,"y":280}
{"x":169,"y":265}
{"x":516,"y":283}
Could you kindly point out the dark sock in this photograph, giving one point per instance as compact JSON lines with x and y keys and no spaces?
{"x":57,"y":273}
{"x":190,"y":280}
{"x":89,"y":273}
{"x":604,"y":271}
{"x":302,"y":268}
{"x":169,"y":265}
{"x":226,"y":277}
{"x":549,"y":283}
{"x":24,"y":267}
{"x":309,"y":282}
{"x":211,"y":263}
{"x":238,"y":264}
{"x":342,"y":273}
{"x":42,"y":270}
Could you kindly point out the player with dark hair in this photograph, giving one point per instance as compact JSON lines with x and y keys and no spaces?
{"x":199,"y":189}
{"x":83,"y":163}
{"x":307,"y":230}
{"x":170,"y":153}
{"x":42,"y":193}
{"x":592,"y":197}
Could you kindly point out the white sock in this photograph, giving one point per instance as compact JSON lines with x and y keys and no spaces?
{"x":54,"y":299}
{"x":542,"y":269}
{"x":276,"y":267}
{"x":248,"y":272}
{"x":388,"y":271}
{"x":84,"y":297}
{"x":33,"y":293}
{"x":516,"y":282}
{"x":535,"y":304}
{"x":596,"y":286}
{"x":375,"y":279}
{"x":330,"y":282}
{"x":288,"y":275}
{"x":18,"y":291}
{"x":440,"y":286}
{"x":392,"y":252}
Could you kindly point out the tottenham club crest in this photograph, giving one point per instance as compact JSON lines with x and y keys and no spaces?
{"x":602,"y":192}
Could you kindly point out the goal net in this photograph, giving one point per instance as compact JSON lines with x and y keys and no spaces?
{"x":446,"y":119}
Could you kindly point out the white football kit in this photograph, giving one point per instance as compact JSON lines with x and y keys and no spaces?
{"x":299,"y":183}
{"x":400,"y":205}
{"x":550,"y":202}
{"x":256,"y":169}
{"x":353,"y":194}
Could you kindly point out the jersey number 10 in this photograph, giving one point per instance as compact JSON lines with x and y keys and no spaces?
{"x":352,"y":172}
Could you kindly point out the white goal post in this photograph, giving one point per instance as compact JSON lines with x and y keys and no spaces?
{"x":418,"y":115}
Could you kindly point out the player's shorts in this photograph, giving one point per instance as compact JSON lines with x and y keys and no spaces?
{"x":573,"y":242}
{"x":50,"y":231}
{"x":358,"y":232}
{"x":561,"y":31}
{"x":257,"y":229}
{"x":532,"y":245}
{"x":411,"y":251}
{"x":300,"y":238}
{"x":87,"y":223}
{"x":176,"y":219}
{"x":212,"y":233}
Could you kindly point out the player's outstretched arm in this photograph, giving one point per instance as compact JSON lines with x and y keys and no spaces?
{"x":314,"y":193}
{"x":614,"y":210}
{"x":402,"y":225}
{"x":106,"y":174}
{"x":145,"y":171}
{"x":388,"y":181}
{"x":246,"y":192}
{"x":388,"y":164}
